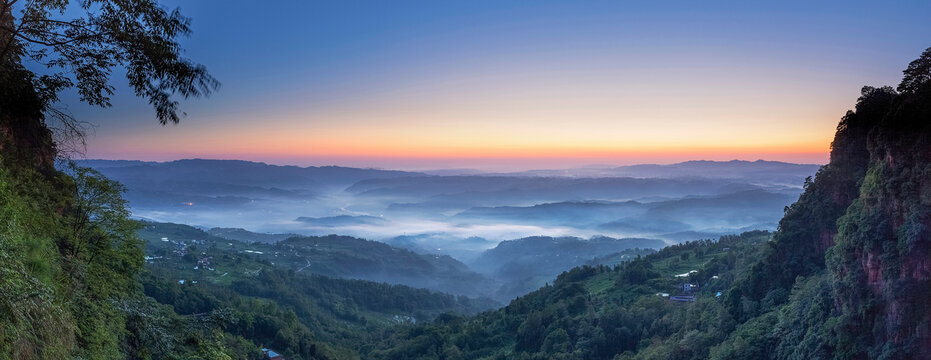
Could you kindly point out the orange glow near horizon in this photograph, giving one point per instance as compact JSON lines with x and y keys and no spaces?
{"x":498,"y":158}
{"x":493,"y":145}
{"x":575,"y":117}
{"x":432,"y":151}
{"x":530,"y":84}
{"x":416,"y":143}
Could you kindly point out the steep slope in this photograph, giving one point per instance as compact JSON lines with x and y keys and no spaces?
{"x":882,"y":260}
{"x":68,"y":257}
{"x":600,"y":312}
{"x":847,"y":275}
{"x":871,"y":301}
{"x":808,"y":228}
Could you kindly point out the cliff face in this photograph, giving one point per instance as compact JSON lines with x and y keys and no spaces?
{"x":810,"y":224}
{"x":24,"y":138}
{"x":863,"y":227}
{"x":882,"y":259}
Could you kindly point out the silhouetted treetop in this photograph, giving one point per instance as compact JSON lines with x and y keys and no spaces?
{"x":81,"y":50}
{"x":917,"y":74}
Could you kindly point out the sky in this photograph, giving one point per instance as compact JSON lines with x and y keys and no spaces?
{"x":514,"y":85}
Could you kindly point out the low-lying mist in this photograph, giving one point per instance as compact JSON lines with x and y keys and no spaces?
{"x":509,"y":232}
{"x":462,"y":215}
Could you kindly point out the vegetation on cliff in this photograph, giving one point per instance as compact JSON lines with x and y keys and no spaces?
{"x":846,"y":276}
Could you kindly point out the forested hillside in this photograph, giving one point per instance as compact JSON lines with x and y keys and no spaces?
{"x":526,"y":264}
{"x":599,"y":312}
{"x":77,"y":284}
{"x":335,"y":256}
{"x":73,"y":279}
{"x":263,"y":303}
{"x":847,"y":275}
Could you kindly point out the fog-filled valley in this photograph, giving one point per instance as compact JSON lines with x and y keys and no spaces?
{"x":482,"y":235}
{"x":484,"y":180}
{"x":667,"y":202}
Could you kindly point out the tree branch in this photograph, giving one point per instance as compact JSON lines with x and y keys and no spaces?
{"x":59,"y":42}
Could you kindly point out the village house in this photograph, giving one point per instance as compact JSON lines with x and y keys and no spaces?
{"x":269,"y":354}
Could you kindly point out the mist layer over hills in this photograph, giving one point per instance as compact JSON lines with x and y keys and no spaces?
{"x":508,"y":270}
{"x":486,"y":235}
{"x":462,"y":215}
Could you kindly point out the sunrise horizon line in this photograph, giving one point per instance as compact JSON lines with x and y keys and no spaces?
{"x":310,"y":163}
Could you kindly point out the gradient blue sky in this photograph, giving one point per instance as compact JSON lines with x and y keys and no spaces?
{"x":515,"y":85}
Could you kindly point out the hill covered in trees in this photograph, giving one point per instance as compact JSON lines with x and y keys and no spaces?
{"x":334,"y":256}
{"x":846,"y":276}
{"x":598,"y":312}
{"x":262,"y":302}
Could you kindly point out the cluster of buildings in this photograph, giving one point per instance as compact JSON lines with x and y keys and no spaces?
{"x":203,"y":262}
{"x":687,"y":290}
{"x":181,"y":247}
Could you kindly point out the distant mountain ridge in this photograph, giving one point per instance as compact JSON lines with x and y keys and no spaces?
{"x":236,"y":172}
{"x":845,"y":276}
{"x":229,"y":193}
{"x":456,"y":190}
{"x":731,"y":210}
{"x":712,"y":169}
{"x":695,"y":166}
{"x":402,"y":206}
{"x":692,"y":168}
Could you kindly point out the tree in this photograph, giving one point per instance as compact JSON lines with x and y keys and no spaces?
{"x":101,"y":255}
{"x":917,"y":74}
{"x":84,"y":215}
{"x":98,"y":218}
{"x":82,"y":52}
